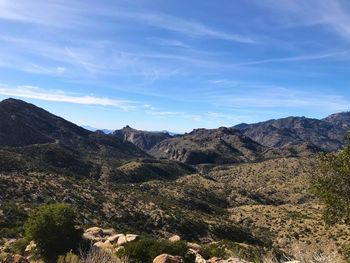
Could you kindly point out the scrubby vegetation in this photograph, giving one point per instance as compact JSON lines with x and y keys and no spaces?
{"x":13,"y":217}
{"x":333,"y":187}
{"x":145,"y":250}
{"x":52,"y":227}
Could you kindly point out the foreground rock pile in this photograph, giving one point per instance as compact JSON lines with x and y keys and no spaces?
{"x":111,"y":242}
{"x":108,"y":239}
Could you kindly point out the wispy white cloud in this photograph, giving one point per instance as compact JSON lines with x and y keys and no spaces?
{"x":165,"y":113}
{"x":70,"y":14}
{"x":332,"y":14}
{"x":224,"y":82}
{"x":188,"y":27}
{"x":37,"y":93}
{"x":276,"y":97}
{"x":296,"y":58}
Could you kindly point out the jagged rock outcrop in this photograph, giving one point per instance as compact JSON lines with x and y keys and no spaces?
{"x":145,"y":140}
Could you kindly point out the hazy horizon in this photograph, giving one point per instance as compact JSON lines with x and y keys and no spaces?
{"x":179,"y":65}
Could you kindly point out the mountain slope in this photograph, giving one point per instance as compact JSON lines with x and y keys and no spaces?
{"x":32,"y":139}
{"x":327,"y":134}
{"x":217,"y":146}
{"x":24,"y":124}
{"x":145,"y":140}
{"x":341,"y":119}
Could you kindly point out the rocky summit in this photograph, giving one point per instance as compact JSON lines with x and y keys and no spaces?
{"x":145,"y":140}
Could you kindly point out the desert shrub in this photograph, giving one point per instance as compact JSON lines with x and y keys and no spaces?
{"x":20,"y":245}
{"x":52,"y":227}
{"x":95,"y":255}
{"x":12,"y":220}
{"x":346,"y":252}
{"x":146,"y":249}
{"x":333,"y":187}
{"x":213,"y":250}
{"x":70,"y":257}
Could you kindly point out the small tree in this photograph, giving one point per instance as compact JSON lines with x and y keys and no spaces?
{"x":333,"y":187}
{"x":52,"y":227}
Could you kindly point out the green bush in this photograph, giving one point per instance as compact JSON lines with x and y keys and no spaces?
{"x":213,"y":250}
{"x":52,"y":227}
{"x":145,"y":250}
{"x":332,"y":187}
{"x":12,"y":220}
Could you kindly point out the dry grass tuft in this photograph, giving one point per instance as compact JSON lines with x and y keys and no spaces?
{"x":96,"y":255}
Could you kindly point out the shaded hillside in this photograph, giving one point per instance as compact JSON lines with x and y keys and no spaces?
{"x":32,"y":139}
{"x":327,"y":134}
{"x":145,"y":140}
{"x":219,"y":146}
{"x":24,"y":124}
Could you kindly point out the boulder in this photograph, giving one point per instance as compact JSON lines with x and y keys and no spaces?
{"x":108,"y":232}
{"x":122,"y":240}
{"x":30,"y":248}
{"x":174,"y":238}
{"x":198,"y":257}
{"x":194,"y":246}
{"x":94,"y":231}
{"x":114,"y":239}
{"x":165,"y":258}
{"x":229,"y":260}
{"x":131,"y":237}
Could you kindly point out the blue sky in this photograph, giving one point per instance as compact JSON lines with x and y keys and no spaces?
{"x":176,"y":65}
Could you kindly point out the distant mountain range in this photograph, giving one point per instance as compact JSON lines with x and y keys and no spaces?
{"x":327,"y":134}
{"x":40,"y":135}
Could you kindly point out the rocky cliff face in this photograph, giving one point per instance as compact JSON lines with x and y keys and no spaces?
{"x":145,"y":140}
{"x":327,"y":134}
{"x":219,"y":146}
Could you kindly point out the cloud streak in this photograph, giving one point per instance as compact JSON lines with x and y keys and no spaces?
{"x":31,"y":92}
{"x":295,"y":58}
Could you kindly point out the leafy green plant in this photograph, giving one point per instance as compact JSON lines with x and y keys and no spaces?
{"x":52,"y":227}
{"x":333,"y":187}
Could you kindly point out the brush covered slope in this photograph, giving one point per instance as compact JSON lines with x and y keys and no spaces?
{"x":145,"y":140}
{"x":327,"y":134}
{"x":266,"y":205}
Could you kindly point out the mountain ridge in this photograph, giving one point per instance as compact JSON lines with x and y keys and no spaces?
{"x":328,"y":134}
